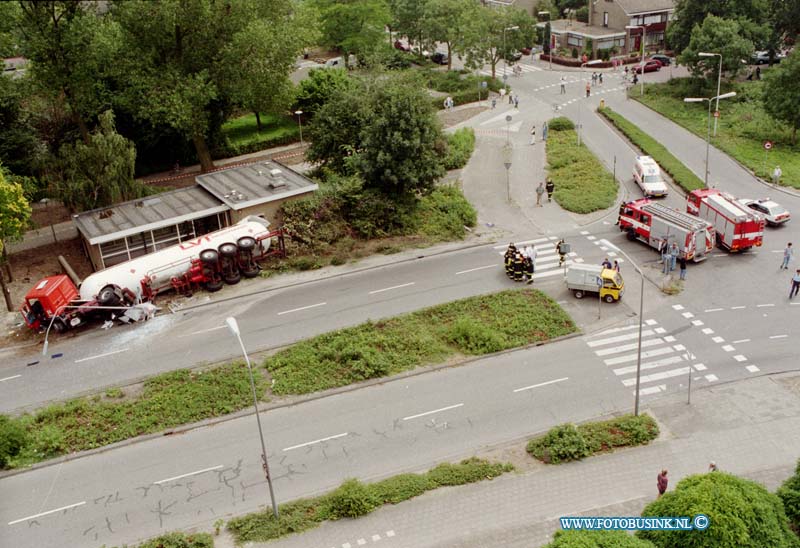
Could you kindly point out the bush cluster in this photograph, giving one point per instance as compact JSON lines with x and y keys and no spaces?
{"x":789,"y":494}
{"x":562,"y":123}
{"x":460,"y":145}
{"x":180,"y":540}
{"x":354,"y":499}
{"x":568,"y":442}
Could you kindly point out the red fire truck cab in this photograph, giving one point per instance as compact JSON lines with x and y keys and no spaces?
{"x":738,"y":228}
{"x":47,"y":299}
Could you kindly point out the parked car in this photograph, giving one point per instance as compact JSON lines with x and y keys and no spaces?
{"x":399,"y":45}
{"x":762,"y":57}
{"x":439,"y":58}
{"x":514,"y":56}
{"x":526,"y":51}
{"x":661,"y":58}
{"x":649,"y":66}
{"x":774,"y":213}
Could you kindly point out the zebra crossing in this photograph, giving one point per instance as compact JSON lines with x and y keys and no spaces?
{"x":666,"y":364}
{"x":546,"y":262}
{"x":509,"y":70}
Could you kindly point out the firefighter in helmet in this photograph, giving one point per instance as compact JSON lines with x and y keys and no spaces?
{"x":519,"y":266}
{"x":561,"y":249}
{"x":509,"y":260}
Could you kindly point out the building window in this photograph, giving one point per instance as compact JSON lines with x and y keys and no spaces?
{"x":113,"y":252}
{"x":575,"y":40}
{"x":165,"y":237}
{"x":605,"y":18}
{"x":654,"y":39}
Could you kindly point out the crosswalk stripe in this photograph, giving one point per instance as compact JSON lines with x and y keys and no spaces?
{"x":657,"y":376}
{"x":616,"y":330}
{"x":620,"y":338}
{"x":652,"y":390}
{"x":633,"y":357}
{"x":526,"y":242}
{"x":648,"y":365}
{"x":626,"y":347}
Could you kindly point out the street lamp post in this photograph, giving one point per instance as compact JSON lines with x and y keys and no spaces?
{"x":233,"y":326}
{"x":507,"y":153}
{"x":300,"y":124}
{"x":719,"y":81}
{"x":641,"y":48}
{"x":583,"y":65}
{"x":708,"y":123}
{"x":549,"y":39}
{"x":505,"y":54}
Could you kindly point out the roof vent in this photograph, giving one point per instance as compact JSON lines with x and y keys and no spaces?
{"x":275,"y":173}
{"x":106,"y":214}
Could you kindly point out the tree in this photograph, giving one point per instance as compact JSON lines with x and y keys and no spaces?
{"x":15,"y":215}
{"x":750,"y":14}
{"x":402,"y":139}
{"x":789,"y":494}
{"x":320,"y":85}
{"x":353,"y":26}
{"x":9,"y":16}
{"x":782,"y":94}
{"x":785,"y":18}
{"x":596,"y":539}
{"x":98,"y":173}
{"x":716,"y":35}
{"x":741,"y":514}
{"x":489,"y":37}
{"x":445,"y":21}
{"x":19,"y":145}
{"x":409,"y":18}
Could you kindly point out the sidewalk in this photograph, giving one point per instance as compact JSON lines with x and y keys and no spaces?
{"x":749,"y":428}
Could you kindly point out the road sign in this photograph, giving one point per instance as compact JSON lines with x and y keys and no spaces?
{"x":483,"y":84}
{"x":767,"y":145}
{"x":716,"y":114}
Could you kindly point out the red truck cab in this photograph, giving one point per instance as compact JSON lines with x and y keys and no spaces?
{"x":47,"y":299}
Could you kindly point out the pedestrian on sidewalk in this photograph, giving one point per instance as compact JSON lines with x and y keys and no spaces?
{"x":533,"y":134}
{"x":494,"y":102}
{"x":561,"y":249}
{"x":539,"y":192}
{"x":563,"y":85}
{"x":510,"y":97}
{"x":600,"y":78}
{"x":787,"y":256}
{"x":502,"y":93}
{"x":544,"y":131}
{"x":665,"y":258}
{"x":795,"y":284}
{"x":712,"y":466}
{"x":635,"y":79}
{"x":776,"y":175}
{"x":682,"y":264}
{"x":606,"y":263}
{"x":758,"y":73}
{"x":588,"y":89}
{"x":662,"y":482}
{"x":550,"y":186}
{"x":616,"y":265}
{"x":673,"y":256}
{"x":516,"y":101}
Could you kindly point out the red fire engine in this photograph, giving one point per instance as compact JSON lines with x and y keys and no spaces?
{"x":655,"y":224}
{"x":738,"y":228}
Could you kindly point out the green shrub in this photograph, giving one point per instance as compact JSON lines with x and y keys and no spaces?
{"x":561,"y":443}
{"x":574,"y":53}
{"x":13,"y":439}
{"x":352,"y":499}
{"x":561,"y":123}
{"x":741,"y":514}
{"x":472,"y":337}
{"x":180,"y":540}
{"x":305,"y":263}
{"x":467,"y":471}
{"x":789,"y":493}
{"x":336,"y":260}
{"x":444,"y":213}
{"x":459,"y":148}
{"x":399,"y":488}
{"x":575,"y":538}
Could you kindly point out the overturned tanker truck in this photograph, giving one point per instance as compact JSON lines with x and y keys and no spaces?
{"x":208,"y":261}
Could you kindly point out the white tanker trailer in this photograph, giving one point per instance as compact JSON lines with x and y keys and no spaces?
{"x":208,"y":261}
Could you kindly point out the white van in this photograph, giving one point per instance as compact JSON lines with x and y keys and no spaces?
{"x":647,"y":175}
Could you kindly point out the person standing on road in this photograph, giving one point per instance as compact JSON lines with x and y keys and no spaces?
{"x":533,"y":134}
{"x":616,"y":265}
{"x":510,"y":97}
{"x":600,"y":78}
{"x":494,"y":102}
{"x":563,"y":85}
{"x":682,"y":264}
{"x":673,"y":256}
{"x":561,"y":249}
{"x":516,"y":101}
{"x":550,"y":187}
{"x":663,"y":482}
{"x":544,"y":131}
{"x":787,"y":256}
{"x":588,"y":89}
{"x":509,"y":258}
{"x":795,"y":284}
{"x":519,"y":263}
{"x":606,"y":263}
{"x":539,"y":192}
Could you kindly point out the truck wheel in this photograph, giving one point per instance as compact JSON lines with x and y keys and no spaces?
{"x":228,"y":250}
{"x":59,"y":326}
{"x":609,"y":299}
{"x":631,"y":235}
{"x":110,"y":295}
{"x":252,"y":273}
{"x":233,"y":279}
{"x":246,"y":242}
{"x":209,"y":256}
{"x":578,"y":294}
{"x":213,"y":286}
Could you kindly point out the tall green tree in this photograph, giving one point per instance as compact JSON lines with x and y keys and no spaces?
{"x":353,"y":26}
{"x":320,"y":85}
{"x":19,"y":145}
{"x":409,"y":18}
{"x":446,"y":21}
{"x":15,"y":215}
{"x":493,"y":35}
{"x":98,"y":173}
{"x":716,"y":35}
{"x":751,"y":15}
{"x":782,"y":93}
{"x":9,"y":17}
{"x":789,"y":493}
{"x":785,"y":18}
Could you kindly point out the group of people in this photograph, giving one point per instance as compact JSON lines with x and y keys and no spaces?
{"x":449,"y":103}
{"x":671,"y":257}
{"x":520,"y":263}
{"x":550,"y":186}
{"x":545,"y":129}
{"x":607,"y":264}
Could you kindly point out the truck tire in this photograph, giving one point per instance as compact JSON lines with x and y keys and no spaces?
{"x":252,"y":273}
{"x":233,"y":279}
{"x":110,"y":295}
{"x":59,"y":326}
{"x":228,"y":250}
{"x":631,"y":235}
{"x":246,"y":243}
{"x":609,"y":299}
{"x":578,"y":294}
{"x":209,"y":256}
{"x":212,"y":286}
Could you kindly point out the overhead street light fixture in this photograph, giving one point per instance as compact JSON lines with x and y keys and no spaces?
{"x":708,"y":124}
{"x":719,"y":81}
{"x":641,"y":43}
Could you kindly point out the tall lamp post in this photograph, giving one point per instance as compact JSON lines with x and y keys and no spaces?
{"x":594,"y":62}
{"x":505,"y":53}
{"x":234,"y":329}
{"x":300,"y":124}
{"x":719,"y":81}
{"x":641,"y":47}
{"x":708,"y":123}
{"x":541,"y":14}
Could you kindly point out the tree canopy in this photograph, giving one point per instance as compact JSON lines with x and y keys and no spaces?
{"x":751,"y":15}
{"x":492,"y":35}
{"x":717,"y":35}
{"x":15,"y":212}
{"x":782,"y":93}
{"x":446,"y":21}
{"x":353,"y":27}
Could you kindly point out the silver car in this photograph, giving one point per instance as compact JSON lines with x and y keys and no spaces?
{"x":774,"y":213}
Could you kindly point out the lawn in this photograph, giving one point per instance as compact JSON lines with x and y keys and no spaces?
{"x":682,"y":175}
{"x":743,"y":125}
{"x":243,"y":135}
{"x":473,"y":326}
{"x":582,"y":183}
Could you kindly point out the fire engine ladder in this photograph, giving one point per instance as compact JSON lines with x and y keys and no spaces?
{"x":679,"y":218}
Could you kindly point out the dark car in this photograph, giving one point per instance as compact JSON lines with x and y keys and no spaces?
{"x":649,"y":66}
{"x":661,"y":58}
{"x":439,"y":58}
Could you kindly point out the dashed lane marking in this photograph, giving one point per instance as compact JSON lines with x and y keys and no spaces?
{"x":195,"y":473}
{"x":418,"y":415}
{"x":63,"y":508}
{"x":391,"y":288}
{"x":301,"y":308}
{"x":321,"y":440}
{"x":531,"y":387}
{"x":478,"y":268}
{"x":101,"y":355}
{"x":10,"y":378}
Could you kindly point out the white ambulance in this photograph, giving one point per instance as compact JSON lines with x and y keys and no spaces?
{"x":648,"y":176}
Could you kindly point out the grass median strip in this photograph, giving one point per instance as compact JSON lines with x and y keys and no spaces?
{"x":682,"y":175}
{"x":582,"y":183}
{"x":474,"y":326}
{"x":354,"y":499}
{"x":567,"y":442}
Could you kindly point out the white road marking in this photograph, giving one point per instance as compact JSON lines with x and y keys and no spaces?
{"x":361,"y":541}
{"x":584,"y":232}
{"x":346,"y":545}
{"x":627,"y":347}
{"x":752,"y":369}
{"x":669,"y":338}
{"x":301,"y":308}
{"x":540,"y":384}
{"x":660,"y":330}
{"x":707,"y":331}
{"x":728,"y":348}
{"x":633,"y":357}
{"x":432,"y":412}
{"x":687,"y":315}
{"x":204,"y":470}
{"x":204,"y":331}
{"x":9,"y":378}
{"x":713,"y":309}
{"x":649,"y":365}
{"x":720,"y":340}
{"x":763,"y":305}
{"x":657,"y":376}
{"x":390,"y":533}
{"x":771,"y":337}
{"x":591,"y":238}
{"x":619,"y":338}
{"x":650,"y":322}
{"x":740,"y":358}
{"x":617,"y":329}
{"x":679,"y":347}
{"x":524,"y":242}
{"x":697,"y":323}
{"x":298,"y":446}
{"x":48,"y":512}
{"x":376,"y":538}
{"x":390,"y":288}
{"x":795,"y":304}
{"x":677,"y":307}
{"x":712,"y":378}
{"x":737,"y":307}
{"x":699,"y":367}
{"x":101,"y":355}
{"x":653,"y":390}
{"x":479,"y":268}
{"x":741,"y":341}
